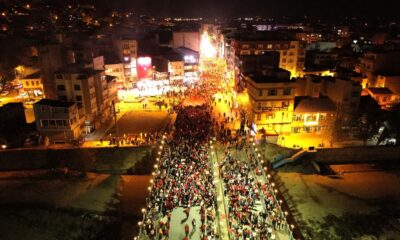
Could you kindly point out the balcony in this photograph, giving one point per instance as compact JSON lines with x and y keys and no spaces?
{"x":272,"y":109}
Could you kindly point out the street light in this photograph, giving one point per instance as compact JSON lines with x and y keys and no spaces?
{"x":3,"y":146}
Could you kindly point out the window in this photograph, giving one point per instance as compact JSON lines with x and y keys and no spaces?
{"x":65,"y":123}
{"x":285,"y":104}
{"x":311,"y":118}
{"x":322,"y":117}
{"x":296,"y":130}
{"x":260,"y":93}
{"x":284,"y":60}
{"x":52,"y":123}
{"x":269,"y":46}
{"x":292,"y":46}
{"x":59,"y":76}
{"x":77,"y":87}
{"x":272,"y":92}
{"x":59,"y":122}
{"x":61,"y":87}
{"x":318,"y":129}
{"x":78,"y":98}
{"x":307,"y":129}
{"x":261,"y":46}
{"x":297,"y":118}
{"x":287,"y":91}
{"x":37,"y":83}
{"x":27,"y":83}
{"x":45,"y":123}
{"x":284,"y":53}
{"x":258,"y":117}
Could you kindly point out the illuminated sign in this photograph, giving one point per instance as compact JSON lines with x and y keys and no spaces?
{"x":144,"y":69}
{"x":190,"y":59}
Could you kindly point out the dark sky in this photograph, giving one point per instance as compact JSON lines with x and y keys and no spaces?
{"x":229,"y":8}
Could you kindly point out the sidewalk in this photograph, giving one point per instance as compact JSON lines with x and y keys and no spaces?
{"x":222,"y":211}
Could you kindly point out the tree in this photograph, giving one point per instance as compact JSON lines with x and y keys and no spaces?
{"x":370,"y":119}
{"x":392,"y":123}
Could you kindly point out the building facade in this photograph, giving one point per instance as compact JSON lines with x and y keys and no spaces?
{"x":59,"y":121}
{"x":32,"y":85}
{"x":271,"y":103}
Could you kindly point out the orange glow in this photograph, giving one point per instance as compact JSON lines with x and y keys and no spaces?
{"x":207,"y":49}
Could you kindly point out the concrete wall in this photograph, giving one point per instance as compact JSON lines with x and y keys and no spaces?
{"x":357,"y":154}
{"x":129,"y":159}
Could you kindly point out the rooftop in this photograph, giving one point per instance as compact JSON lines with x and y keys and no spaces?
{"x":308,"y":104}
{"x":260,"y":36}
{"x":379,"y":90}
{"x":54,"y":103}
{"x":78,"y":69}
{"x":274,"y":76}
{"x":34,"y":75}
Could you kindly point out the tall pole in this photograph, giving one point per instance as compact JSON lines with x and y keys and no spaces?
{"x":115,"y":122}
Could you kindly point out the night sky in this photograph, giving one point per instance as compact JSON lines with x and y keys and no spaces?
{"x":232,"y":8}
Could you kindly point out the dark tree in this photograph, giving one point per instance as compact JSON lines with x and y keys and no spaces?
{"x":370,"y":119}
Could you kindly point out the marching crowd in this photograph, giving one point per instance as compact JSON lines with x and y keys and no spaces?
{"x":252,"y":210}
{"x":184,"y":179}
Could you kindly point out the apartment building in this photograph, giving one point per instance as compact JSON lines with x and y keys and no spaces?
{"x":313,"y":116}
{"x":89,"y":89}
{"x":127,"y":52}
{"x":291,"y":52}
{"x":271,"y":101}
{"x":59,"y":121}
{"x":32,"y":84}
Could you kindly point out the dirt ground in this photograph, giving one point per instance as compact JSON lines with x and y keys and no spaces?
{"x":51,"y":205}
{"x":360,"y":202}
{"x":137,"y":122}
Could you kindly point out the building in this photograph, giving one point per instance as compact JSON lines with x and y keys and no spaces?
{"x":59,"y":121}
{"x":176,"y":68}
{"x":127,"y":52}
{"x":383,"y":96}
{"x":189,"y":40}
{"x":50,"y":60}
{"x":376,"y":62}
{"x":329,"y":59}
{"x":271,"y":101}
{"x":117,"y":70}
{"x":32,"y":85}
{"x":291,"y":52}
{"x":313,"y":116}
{"x":89,"y":89}
{"x":308,"y":37}
{"x":391,"y":81}
{"x":344,"y":93}
{"x":191,"y":64}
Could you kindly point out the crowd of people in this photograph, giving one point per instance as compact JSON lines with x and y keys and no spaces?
{"x":253,"y":212}
{"x":184,"y":180}
{"x":133,"y":139}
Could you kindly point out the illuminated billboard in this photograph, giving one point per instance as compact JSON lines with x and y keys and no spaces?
{"x":144,"y":68}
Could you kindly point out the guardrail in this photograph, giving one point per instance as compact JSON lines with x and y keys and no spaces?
{"x":273,"y":191}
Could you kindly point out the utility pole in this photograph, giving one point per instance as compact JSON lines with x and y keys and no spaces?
{"x":115,"y":121}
